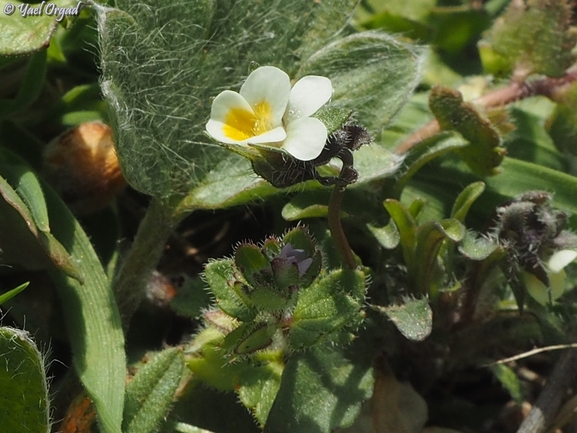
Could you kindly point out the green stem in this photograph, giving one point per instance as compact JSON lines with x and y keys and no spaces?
{"x":336,"y":228}
{"x":130,"y":283}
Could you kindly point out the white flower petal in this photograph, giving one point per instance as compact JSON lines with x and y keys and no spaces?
{"x":231,"y":118}
{"x":216,"y":130}
{"x":308,"y":95}
{"x":273,"y":136}
{"x":540,"y":292}
{"x":306,"y":138}
{"x":560,"y":259}
{"x":225,"y":102}
{"x":271,"y":86}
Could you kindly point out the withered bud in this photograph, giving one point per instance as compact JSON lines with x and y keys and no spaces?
{"x":82,"y":166}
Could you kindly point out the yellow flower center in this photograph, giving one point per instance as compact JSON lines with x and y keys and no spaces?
{"x":242,"y":124}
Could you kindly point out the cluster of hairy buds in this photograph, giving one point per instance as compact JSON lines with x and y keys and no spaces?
{"x":275,"y":296}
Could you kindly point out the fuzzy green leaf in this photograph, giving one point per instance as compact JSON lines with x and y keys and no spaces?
{"x":91,"y":317}
{"x":150,"y":393}
{"x":413,"y":318}
{"x":23,"y":386}
{"x":388,"y":236}
{"x":253,"y":264}
{"x":320,"y":391}
{"x":233,"y":184}
{"x":219,"y":275}
{"x":531,"y":37}
{"x":476,"y":248}
{"x":249,"y":338}
{"x":483,"y":155}
{"x":367,"y":69}
{"x":258,"y":389}
{"x":324,"y":309}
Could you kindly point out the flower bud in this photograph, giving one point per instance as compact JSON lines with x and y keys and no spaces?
{"x":82,"y":166}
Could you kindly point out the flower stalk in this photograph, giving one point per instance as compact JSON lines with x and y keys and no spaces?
{"x":130,"y":282}
{"x":336,"y":228}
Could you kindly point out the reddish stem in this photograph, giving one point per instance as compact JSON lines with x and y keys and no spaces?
{"x":515,"y":91}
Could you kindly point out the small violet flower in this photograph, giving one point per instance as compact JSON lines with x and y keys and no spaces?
{"x":289,"y":256}
{"x":267,"y":111}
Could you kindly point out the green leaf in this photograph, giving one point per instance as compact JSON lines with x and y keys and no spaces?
{"x":394,"y":23}
{"x":4,"y":297}
{"x":249,"y":338}
{"x":531,"y":37}
{"x":23,"y":243}
{"x":388,"y":236}
{"x":562,"y":124}
{"x":333,"y":117}
{"x":150,"y":393}
{"x":457,"y":26}
{"x":509,"y":380}
{"x":427,"y":151}
{"x":407,"y":228}
{"x":367,"y":69}
{"x":476,"y":248}
{"x":23,"y":36}
{"x":80,"y":104}
{"x":259,"y":387}
{"x":32,"y":83}
{"x":92,"y":318}
{"x":320,"y":391}
{"x":483,"y":155}
{"x":465,"y":200}
{"x":219,"y":275}
{"x":23,"y":386}
{"x":530,"y":141}
{"x":413,"y":318}
{"x":520,"y":176}
{"x":26,"y":185}
{"x":312,"y":204}
{"x":430,"y":236}
{"x":516,"y":178}
{"x":196,"y":407}
{"x":255,"y":267}
{"x":415,"y":10}
{"x":208,"y":362}
{"x":324,"y":310}
{"x":233,"y":182}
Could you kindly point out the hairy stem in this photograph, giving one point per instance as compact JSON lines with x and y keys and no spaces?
{"x":336,"y":228}
{"x":515,"y":91}
{"x":130,"y":283}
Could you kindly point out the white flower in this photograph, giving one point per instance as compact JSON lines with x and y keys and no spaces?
{"x":268,"y":111}
{"x":555,"y":270}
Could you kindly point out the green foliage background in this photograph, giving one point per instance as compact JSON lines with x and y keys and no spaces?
{"x":467,"y":109}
